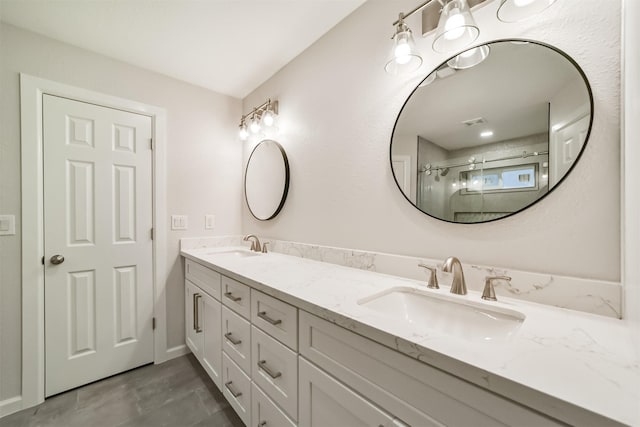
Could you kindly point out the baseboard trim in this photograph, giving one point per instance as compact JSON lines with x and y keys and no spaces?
{"x":10,"y":406}
{"x":177,"y":351}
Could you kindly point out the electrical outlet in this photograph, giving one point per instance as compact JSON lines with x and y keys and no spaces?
{"x":209,"y":222}
{"x":7,"y":225}
{"x":179,"y":222}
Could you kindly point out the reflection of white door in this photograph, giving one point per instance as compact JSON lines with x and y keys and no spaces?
{"x":98,"y":216}
{"x":402,"y":170}
{"x":566,"y":143}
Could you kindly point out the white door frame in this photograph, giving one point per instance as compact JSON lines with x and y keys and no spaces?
{"x":33,"y":348}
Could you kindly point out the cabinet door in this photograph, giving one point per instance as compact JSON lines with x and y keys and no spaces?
{"x":326,"y":402}
{"x":212,"y":346}
{"x":193,"y":332}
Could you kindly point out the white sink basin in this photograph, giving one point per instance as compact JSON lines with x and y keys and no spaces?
{"x":446,"y":314}
{"x":240,"y":253}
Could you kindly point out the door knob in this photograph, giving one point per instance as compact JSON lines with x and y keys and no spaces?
{"x":57,"y":259}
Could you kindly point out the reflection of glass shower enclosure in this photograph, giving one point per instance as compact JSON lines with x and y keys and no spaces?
{"x":482,"y":183}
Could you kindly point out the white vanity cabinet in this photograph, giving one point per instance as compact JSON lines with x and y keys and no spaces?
{"x":280,"y":366}
{"x":203,"y":315}
{"x":324,"y":401}
{"x":413,"y":393}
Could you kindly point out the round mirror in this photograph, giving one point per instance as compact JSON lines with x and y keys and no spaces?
{"x":266,"y":180}
{"x":491,"y":131}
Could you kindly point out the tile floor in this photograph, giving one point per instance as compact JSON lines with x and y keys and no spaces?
{"x":177,"y":393}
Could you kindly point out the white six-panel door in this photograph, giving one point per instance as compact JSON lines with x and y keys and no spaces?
{"x":98,"y":216}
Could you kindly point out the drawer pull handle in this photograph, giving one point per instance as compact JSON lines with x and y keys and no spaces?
{"x":231,"y":297}
{"x":196,"y":314}
{"x":262,"y":424}
{"x":235,"y":394}
{"x":263,"y":316}
{"x":232,"y":340}
{"x":263,"y":365}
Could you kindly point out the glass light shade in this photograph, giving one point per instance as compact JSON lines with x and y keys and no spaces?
{"x":254,"y":126}
{"x":404,"y":57}
{"x":243,"y":133}
{"x":456,"y":28}
{"x":517,"y":10}
{"x":469,"y":58}
{"x":268,"y":119}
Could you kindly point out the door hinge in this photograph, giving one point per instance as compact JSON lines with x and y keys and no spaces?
{"x":153,"y":323}
{"x":42,"y":260}
{"x":150,"y":143}
{"x":151,"y":233}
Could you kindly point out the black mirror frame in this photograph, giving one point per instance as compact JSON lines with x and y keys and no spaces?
{"x":286,"y":180}
{"x":588,"y":135}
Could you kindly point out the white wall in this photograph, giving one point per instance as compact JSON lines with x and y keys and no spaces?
{"x":631,"y":158}
{"x":339,"y":108}
{"x":203,"y":170}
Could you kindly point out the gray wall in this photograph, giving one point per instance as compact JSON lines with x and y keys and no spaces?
{"x":202,"y":153}
{"x":339,"y":107}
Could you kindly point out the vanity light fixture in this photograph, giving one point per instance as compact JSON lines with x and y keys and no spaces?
{"x":254,"y":124}
{"x":404,"y":57}
{"x":456,"y":30}
{"x":518,"y":10}
{"x":244,"y":133}
{"x":261,"y":118}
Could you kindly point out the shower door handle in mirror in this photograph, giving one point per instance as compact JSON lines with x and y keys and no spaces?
{"x":56,"y":259}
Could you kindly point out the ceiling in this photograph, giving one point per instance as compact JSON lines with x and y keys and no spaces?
{"x":228,"y":46}
{"x":511,"y":90}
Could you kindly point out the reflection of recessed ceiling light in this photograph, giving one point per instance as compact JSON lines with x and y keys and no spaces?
{"x":486,"y":133}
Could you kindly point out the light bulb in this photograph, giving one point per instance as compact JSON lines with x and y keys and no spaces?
{"x":402,"y":52}
{"x":454,"y":26}
{"x":267,"y":118}
{"x":243,"y":132}
{"x":254,"y":126}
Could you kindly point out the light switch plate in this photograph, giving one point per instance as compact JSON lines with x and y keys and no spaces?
{"x":209,"y":222}
{"x":7,"y":225}
{"x":179,"y":222}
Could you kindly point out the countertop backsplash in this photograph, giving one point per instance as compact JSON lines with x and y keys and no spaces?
{"x":587,"y":295}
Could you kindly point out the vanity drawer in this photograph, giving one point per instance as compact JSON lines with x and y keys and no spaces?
{"x":277,"y":318}
{"x":205,"y":278}
{"x":274,"y":368}
{"x":237,"y":389}
{"x":414,"y":392}
{"x":264,"y":410}
{"x":236,"y":296}
{"x":236,"y":339}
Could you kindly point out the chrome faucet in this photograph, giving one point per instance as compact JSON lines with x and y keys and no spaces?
{"x":255,"y":244}
{"x":458,"y":285}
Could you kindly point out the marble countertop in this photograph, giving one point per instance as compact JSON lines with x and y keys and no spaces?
{"x":584,"y":360}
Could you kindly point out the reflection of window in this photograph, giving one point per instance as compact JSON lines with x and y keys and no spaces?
{"x":512,"y":178}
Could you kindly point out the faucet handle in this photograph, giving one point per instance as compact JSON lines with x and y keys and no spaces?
{"x":432,"y":281}
{"x":489,"y":292}
{"x":264,"y":247}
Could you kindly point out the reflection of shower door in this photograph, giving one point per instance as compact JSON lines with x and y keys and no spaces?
{"x":566,"y":143}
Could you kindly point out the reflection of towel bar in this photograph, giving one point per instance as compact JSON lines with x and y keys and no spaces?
{"x":524,"y":155}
